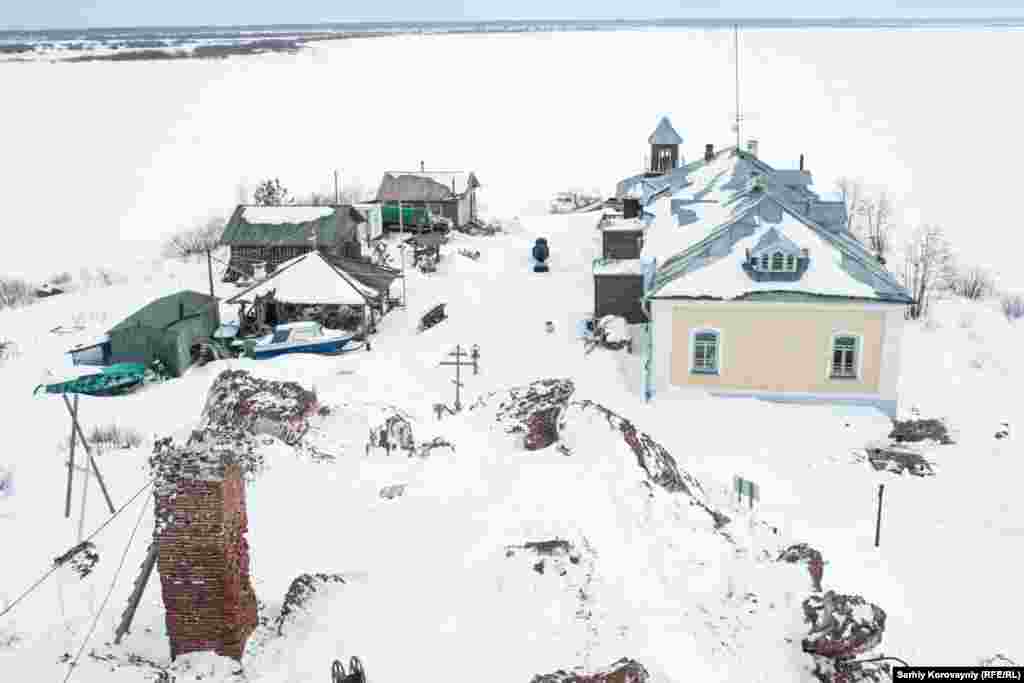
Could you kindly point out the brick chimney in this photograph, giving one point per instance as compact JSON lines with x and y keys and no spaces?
{"x":709,"y":152}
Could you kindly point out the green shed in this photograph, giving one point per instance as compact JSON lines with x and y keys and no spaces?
{"x":165,"y":329}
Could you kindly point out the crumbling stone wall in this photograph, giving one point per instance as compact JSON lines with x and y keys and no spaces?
{"x":203,"y":562}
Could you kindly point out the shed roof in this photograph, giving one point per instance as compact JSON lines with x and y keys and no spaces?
{"x":310,"y":279}
{"x":164,"y":312}
{"x":373,"y":276}
{"x":429,"y":186}
{"x":665,"y":134}
{"x":292,"y":225}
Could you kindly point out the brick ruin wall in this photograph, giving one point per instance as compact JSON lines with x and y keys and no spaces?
{"x":203,"y":562}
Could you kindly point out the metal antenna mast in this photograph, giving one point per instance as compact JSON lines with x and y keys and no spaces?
{"x":736,"y":59}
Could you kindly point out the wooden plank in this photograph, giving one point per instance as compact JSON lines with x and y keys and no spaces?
{"x":133,"y":600}
{"x":71,"y":461}
{"x":85,"y":444}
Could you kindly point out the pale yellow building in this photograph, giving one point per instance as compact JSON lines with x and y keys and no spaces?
{"x":755,"y":287}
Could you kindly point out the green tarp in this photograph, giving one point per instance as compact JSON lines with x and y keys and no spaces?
{"x":165,"y":330}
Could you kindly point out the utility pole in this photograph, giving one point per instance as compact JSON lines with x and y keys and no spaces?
{"x":401,"y":250}
{"x":878,"y":522}
{"x":458,"y":363}
{"x":209,"y":269}
{"x":337,"y":195}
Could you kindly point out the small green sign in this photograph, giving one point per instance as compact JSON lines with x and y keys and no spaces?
{"x":745,"y":487}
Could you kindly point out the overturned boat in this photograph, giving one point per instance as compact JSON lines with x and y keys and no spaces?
{"x":117,"y":379}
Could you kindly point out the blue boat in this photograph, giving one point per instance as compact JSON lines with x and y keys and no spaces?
{"x":305,"y":337}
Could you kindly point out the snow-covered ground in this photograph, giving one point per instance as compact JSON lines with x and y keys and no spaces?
{"x":431,"y":592}
{"x":100,"y":153}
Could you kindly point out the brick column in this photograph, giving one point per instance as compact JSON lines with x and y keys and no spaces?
{"x":203,"y":563}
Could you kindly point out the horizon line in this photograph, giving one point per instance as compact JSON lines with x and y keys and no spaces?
{"x":453,"y":22}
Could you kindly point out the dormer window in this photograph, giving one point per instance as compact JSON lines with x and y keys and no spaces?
{"x":775,"y":263}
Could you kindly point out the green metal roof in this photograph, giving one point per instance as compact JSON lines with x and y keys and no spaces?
{"x":790,"y":296}
{"x":339,"y":226}
{"x":166,"y":311}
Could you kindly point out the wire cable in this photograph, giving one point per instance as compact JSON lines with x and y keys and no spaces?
{"x":57,"y":566}
{"x":110,"y":592}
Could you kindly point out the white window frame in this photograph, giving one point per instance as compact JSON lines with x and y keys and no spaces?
{"x":692,"y":350}
{"x":858,"y":356}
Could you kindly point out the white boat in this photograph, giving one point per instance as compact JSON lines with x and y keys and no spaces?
{"x":305,"y":337}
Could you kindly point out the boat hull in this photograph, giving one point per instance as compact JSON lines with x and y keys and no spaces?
{"x":326,"y":347}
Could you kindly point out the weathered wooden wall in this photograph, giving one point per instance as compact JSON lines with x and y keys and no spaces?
{"x":619,"y":295}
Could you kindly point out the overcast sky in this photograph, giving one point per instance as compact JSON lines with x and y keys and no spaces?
{"x":107,"y":13}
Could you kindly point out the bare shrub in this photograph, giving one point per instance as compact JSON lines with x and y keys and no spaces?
{"x":8,"y":350}
{"x":1013,"y":306}
{"x":928,"y":267}
{"x":15,"y":292}
{"x":61,"y":278}
{"x":113,"y":436}
{"x":104,"y":276}
{"x":972,"y":283}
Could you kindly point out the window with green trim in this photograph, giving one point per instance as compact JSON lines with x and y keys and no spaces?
{"x":705,"y":352}
{"x":844,"y":357}
{"x":777,"y":261}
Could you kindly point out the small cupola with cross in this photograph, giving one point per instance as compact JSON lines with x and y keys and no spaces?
{"x":664,"y":143}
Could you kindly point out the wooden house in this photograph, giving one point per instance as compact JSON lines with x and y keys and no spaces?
{"x":271,"y":235}
{"x":450,"y":194}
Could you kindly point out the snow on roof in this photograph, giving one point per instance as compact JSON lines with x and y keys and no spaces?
{"x":616,"y":224}
{"x":716,"y":194}
{"x":775,"y":239}
{"x":457,"y":181}
{"x":629,"y":266}
{"x":274,"y":215}
{"x":665,"y":134}
{"x":309,"y":279}
{"x":830,"y":271}
{"x":792,"y":176}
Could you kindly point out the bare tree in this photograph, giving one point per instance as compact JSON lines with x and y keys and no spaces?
{"x":928,"y":266}
{"x":852,"y":193}
{"x":203,"y":239}
{"x":195,"y":241}
{"x":875,"y":231}
{"x":272,"y":193}
{"x":350,"y":193}
{"x":972,"y":283}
